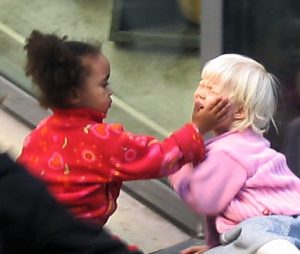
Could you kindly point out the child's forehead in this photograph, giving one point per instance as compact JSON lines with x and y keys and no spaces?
{"x":210,"y":81}
{"x":209,"y":73}
{"x":217,"y":84}
{"x":98,"y":65}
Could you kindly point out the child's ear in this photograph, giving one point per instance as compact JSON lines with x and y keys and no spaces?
{"x":73,"y":97}
{"x":239,"y":114}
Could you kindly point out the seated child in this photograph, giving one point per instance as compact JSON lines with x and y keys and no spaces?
{"x":244,"y":188}
{"x":82,"y":159}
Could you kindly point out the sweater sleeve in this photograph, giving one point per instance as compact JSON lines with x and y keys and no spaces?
{"x":131,"y":157}
{"x":209,"y":187}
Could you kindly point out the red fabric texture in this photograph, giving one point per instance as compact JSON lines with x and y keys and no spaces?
{"x":84,"y":161}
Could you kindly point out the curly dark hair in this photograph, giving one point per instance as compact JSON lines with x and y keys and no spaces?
{"x":55,"y":66}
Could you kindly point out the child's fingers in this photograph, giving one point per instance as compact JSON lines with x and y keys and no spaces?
{"x":212,"y":104}
{"x":218,"y":105}
{"x":195,"y":249}
{"x":222,"y":118}
{"x":222,"y":113}
{"x":190,"y":250}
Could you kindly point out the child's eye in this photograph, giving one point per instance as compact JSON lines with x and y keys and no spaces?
{"x":104,"y":84}
{"x":208,"y":85}
{"x":205,"y":84}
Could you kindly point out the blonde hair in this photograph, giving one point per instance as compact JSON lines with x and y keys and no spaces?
{"x":250,"y":87}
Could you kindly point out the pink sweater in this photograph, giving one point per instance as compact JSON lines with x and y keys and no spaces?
{"x":241,"y":177}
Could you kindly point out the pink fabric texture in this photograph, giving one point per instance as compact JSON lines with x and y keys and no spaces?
{"x":241,"y":177}
{"x":83,"y":160}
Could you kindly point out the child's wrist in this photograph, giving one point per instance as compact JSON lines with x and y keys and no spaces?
{"x":202,"y":130}
{"x":196,"y":127}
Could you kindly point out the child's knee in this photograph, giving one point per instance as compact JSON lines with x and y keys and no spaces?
{"x":279,"y":246}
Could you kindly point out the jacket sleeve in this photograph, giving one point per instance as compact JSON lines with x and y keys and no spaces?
{"x":209,"y":187}
{"x":31,"y":220}
{"x":131,"y":157}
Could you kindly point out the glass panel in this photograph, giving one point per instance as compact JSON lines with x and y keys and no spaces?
{"x":269,"y":31}
{"x":152,"y":46}
{"x":158,"y":81}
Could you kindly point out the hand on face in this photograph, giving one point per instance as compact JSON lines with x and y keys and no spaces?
{"x":206,"y":91}
{"x":209,"y":108}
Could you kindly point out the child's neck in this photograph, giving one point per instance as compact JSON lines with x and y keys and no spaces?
{"x":220,"y":132}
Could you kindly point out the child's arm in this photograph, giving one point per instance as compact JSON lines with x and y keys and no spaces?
{"x":129,"y":157}
{"x":209,"y":187}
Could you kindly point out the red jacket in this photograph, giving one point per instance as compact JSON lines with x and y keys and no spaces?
{"x":84,"y":161}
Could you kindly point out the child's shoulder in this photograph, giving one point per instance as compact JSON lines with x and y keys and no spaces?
{"x":238,"y":144}
{"x":228,"y":140}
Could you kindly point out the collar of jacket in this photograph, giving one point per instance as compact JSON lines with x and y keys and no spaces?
{"x":80,"y":113}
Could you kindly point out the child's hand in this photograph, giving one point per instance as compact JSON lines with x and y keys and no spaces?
{"x":199,"y":249}
{"x":208,"y":116}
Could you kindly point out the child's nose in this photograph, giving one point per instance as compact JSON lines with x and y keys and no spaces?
{"x":196,"y":95}
{"x":110,"y":92}
{"x":199,"y":93}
